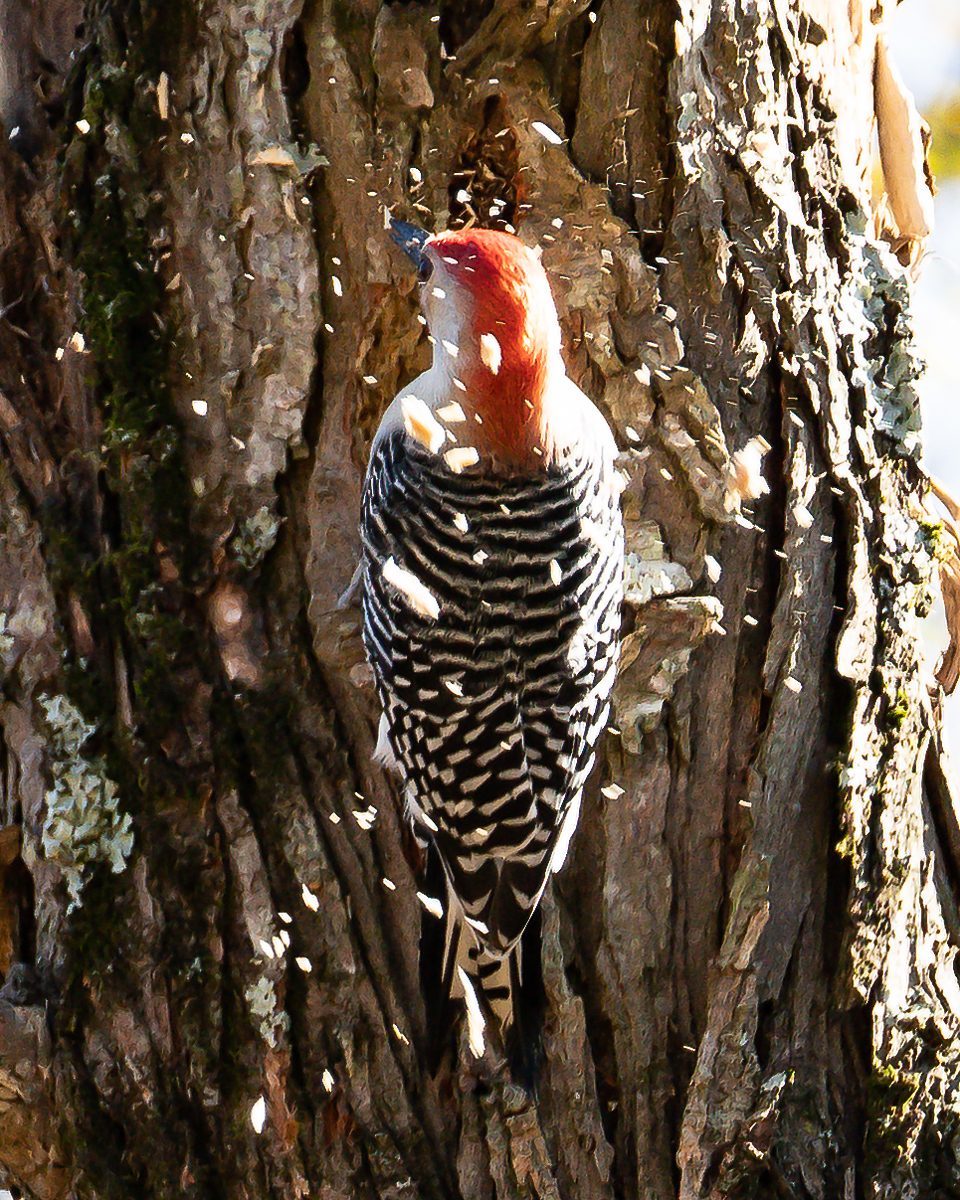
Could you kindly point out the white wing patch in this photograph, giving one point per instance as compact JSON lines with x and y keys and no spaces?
{"x":421,"y":599}
{"x":452,"y":413}
{"x":383,"y":753}
{"x":462,"y":456}
{"x":490,"y":353}
{"x":566,"y":833}
{"x":421,"y":425}
{"x":475,"y":1021}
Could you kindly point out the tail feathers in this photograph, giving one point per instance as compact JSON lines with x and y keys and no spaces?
{"x":483,"y":981}
{"x":500,"y":995}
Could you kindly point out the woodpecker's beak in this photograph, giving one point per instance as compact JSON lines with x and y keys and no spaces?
{"x":409,"y":238}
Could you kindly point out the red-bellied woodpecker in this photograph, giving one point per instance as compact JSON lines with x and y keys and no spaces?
{"x":492,"y":572}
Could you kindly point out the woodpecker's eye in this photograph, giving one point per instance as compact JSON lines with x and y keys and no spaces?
{"x":425,"y":270}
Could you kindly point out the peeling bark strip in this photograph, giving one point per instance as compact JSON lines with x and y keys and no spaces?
{"x":208,"y":899}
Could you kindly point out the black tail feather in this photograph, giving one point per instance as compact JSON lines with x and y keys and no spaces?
{"x":524,"y":1041}
{"x":440,"y":1010}
{"x":444,"y":1007}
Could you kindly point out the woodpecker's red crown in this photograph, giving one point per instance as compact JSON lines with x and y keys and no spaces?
{"x":509,"y":337}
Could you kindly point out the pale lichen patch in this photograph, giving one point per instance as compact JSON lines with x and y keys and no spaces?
{"x":271,"y":1021}
{"x":83,"y":824}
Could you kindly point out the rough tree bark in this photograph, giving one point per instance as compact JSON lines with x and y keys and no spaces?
{"x":208,"y":913}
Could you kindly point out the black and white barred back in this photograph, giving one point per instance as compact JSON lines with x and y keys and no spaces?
{"x":494,"y":708}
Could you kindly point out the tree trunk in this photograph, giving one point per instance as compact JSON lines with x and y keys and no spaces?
{"x":208,"y":911}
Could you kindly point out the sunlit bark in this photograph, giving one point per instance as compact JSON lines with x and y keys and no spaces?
{"x":208,"y":913}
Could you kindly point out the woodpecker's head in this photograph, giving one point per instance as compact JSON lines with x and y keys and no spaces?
{"x":496,"y":337}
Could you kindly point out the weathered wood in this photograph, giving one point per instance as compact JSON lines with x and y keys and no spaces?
{"x":750,"y":957}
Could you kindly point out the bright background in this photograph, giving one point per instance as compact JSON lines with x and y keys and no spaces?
{"x":925,"y":40}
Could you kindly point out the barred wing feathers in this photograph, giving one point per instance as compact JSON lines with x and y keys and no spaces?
{"x":493,"y":706}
